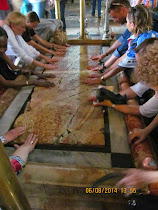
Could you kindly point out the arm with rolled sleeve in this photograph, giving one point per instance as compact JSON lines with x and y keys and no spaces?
{"x":150,"y":108}
{"x":140,"y":88}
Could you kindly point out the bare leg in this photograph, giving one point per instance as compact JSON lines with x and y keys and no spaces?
{"x":13,"y":134}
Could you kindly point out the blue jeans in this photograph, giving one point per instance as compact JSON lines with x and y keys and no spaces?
{"x":94,"y":6}
{"x":62,"y":13}
{"x":39,"y":8}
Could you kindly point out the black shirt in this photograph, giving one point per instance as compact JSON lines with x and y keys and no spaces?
{"x":28,"y":34}
{"x":5,"y":71}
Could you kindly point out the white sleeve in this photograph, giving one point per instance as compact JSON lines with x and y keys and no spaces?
{"x":19,"y":48}
{"x":150,"y":108}
{"x":140,"y":88}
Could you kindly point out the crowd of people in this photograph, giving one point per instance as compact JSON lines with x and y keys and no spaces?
{"x":20,"y":46}
{"x":135,"y":52}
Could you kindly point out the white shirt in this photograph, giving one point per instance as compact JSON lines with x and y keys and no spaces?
{"x":17,"y":47}
{"x":150,"y":108}
{"x":140,"y":88}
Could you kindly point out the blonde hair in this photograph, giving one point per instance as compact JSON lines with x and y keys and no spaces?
{"x":15,"y":18}
{"x":60,"y":37}
{"x":147,"y":66}
{"x":141,"y":17}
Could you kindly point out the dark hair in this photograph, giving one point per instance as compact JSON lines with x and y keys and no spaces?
{"x":141,"y":16}
{"x":118,"y":4}
{"x":32,"y":17}
{"x":142,"y":47}
{"x":3,"y":33}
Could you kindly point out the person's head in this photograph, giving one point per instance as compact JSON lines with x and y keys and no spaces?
{"x":118,"y":10}
{"x":32,"y":19}
{"x":3,"y":40}
{"x":139,"y":19}
{"x":60,"y":37}
{"x":17,"y":22}
{"x":147,"y":66}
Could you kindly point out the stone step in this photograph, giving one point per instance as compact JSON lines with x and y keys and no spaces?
{"x":67,"y":187}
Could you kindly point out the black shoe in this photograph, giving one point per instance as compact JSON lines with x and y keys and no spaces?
{"x":104,"y":94}
{"x":99,"y":16}
{"x":93,"y":14}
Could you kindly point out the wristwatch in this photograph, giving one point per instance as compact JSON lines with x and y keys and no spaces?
{"x":102,"y":78}
{"x":113,"y":106}
{"x":2,"y":139}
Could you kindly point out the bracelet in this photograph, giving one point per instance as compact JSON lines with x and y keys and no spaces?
{"x":102,"y":78}
{"x":27,"y":83}
{"x":2,"y":139}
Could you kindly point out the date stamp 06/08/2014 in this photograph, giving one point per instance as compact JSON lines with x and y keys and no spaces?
{"x":109,"y":190}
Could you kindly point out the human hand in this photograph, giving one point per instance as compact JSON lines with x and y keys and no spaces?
{"x":50,"y":66}
{"x":29,"y":143}
{"x":97,"y":57}
{"x":93,"y":98}
{"x":57,"y":46}
{"x":24,"y":150}
{"x":13,"y":134}
{"x":140,"y":134}
{"x":51,"y":60}
{"x":92,"y":81}
{"x":67,"y":45}
{"x":95,"y":68}
{"x":58,"y":53}
{"x":104,"y":103}
{"x":44,"y":83}
{"x":136,"y":178}
{"x":97,"y":75}
{"x":44,"y":76}
{"x":60,"y":49}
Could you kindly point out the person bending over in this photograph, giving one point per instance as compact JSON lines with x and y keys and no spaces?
{"x":146,"y":72}
{"x":118,"y":10}
{"x":17,"y":47}
{"x":139,"y":22}
{"x":8,"y":75}
{"x":29,"y":36}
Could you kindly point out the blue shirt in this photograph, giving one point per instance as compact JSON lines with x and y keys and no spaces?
{"x":130,"y":61}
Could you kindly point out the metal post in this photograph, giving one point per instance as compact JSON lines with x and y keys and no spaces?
{"x":11,"y":194}
{"x":82,"y":9}
{"x":57,"y":9}
{"x":106,"y":24}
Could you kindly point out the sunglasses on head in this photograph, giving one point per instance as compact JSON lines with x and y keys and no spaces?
{"x":118,"y":4}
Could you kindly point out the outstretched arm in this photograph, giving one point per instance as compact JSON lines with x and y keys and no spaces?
{"x":108,"y":52}
{"x":40,"y":47}
{"x":137,"y":178}
{"x":126,"y":109}
{"x":141,"y":134}
{"x":19,"y":157}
